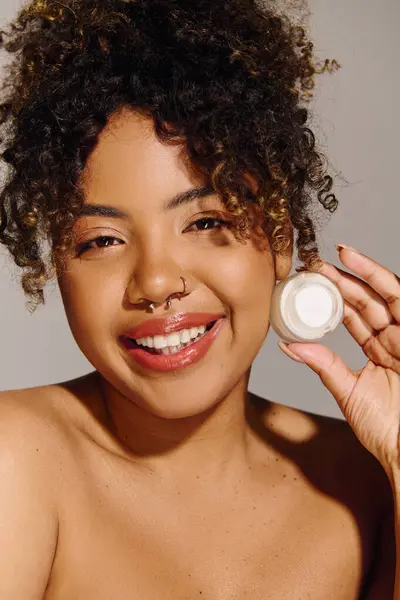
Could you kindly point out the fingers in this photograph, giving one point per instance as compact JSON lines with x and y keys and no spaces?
{"x":356,"y":325}
{"x":361,"y":296}
{"x":380,"y":348}
{"x":332,"y":370}
{"x":383,"y":281}
{"x":383,"y":349}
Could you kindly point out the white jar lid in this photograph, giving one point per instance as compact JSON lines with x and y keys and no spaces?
{"x":314,"y":304}
{"x":306,"y":307}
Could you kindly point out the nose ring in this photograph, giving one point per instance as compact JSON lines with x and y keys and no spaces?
{"x":152,"y":306}
{"x":179,"y":294}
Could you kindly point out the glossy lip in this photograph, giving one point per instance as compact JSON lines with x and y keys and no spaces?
{"x":171,"y":362}
{"x":171,"y":324}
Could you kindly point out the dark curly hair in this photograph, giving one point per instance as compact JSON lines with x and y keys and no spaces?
{"x":229,"y":79}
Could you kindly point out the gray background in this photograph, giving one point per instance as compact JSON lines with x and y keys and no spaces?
{"x":357,"y":122}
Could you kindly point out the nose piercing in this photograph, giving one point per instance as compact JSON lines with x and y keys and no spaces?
{"x":152,"y":306}
{"x":179,"y":294}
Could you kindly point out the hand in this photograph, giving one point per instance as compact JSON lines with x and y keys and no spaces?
{"x":370,"y":397}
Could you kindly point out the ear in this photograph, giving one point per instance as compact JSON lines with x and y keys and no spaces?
{"x":283,"y":262}
{"x":283,"y":265}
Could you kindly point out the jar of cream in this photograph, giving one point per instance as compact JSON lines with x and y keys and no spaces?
{"x":305,"y":307}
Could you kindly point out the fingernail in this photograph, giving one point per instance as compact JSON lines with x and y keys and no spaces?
{"x":284,"y":347}
{"x":340,"y":247}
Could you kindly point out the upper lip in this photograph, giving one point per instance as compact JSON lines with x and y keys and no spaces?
{"x":170,"y":324}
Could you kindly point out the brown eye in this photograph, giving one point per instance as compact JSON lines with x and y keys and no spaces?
{"x":97,"y":243}
{"x":210,"y":223}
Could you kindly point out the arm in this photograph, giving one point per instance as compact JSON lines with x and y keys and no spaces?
{"x":28,"y":522}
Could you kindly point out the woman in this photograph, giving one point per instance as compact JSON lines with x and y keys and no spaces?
{"x":160,"y":164}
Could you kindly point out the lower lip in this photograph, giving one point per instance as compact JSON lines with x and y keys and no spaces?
{"x":184,"y":358}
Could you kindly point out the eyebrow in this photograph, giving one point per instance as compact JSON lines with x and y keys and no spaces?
{"x":102,"y":210}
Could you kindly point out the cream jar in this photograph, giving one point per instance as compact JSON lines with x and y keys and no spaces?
{"x":305,"y":307}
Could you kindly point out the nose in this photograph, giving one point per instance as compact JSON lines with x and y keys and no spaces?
{"x":157,"y":279}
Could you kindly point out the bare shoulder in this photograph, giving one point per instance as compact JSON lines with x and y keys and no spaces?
{"x":39,"y":420}
{"x":30,"y":472}
{"x":30,"y":409}
{"x":29,"y":434}
{"x":27,"y":414}
{"x":329,"y":454}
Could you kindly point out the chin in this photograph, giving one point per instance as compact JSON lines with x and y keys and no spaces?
{"x":182,"y":396}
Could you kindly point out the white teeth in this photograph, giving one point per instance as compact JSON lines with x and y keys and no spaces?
{"x":173,"y":350}
{"x":173,"y":340}
{"x":185,"y":336}
{"x":160,"y":341}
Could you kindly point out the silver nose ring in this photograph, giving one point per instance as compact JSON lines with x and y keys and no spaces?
{"x":152,"y":306}
{"x":179,"y":294}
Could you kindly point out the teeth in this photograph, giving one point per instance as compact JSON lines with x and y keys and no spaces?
{"x":168,"y":350}
{"x":173,"y":341}
{"x":193,"y":332}
{"x":185,"y":336}
{"x":160,"y":341}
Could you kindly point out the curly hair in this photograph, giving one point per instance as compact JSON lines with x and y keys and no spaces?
{"x":231,"y":79}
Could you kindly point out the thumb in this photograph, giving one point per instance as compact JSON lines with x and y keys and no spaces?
{"x":332,"y":370}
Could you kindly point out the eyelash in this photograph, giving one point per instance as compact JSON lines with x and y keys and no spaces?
{"x":82,"y":248}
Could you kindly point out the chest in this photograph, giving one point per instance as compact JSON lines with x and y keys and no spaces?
{"x":126,"y":543}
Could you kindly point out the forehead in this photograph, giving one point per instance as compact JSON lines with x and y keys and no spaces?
{"x":129,"y":161}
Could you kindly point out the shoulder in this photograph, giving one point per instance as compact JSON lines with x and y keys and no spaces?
{"x":29,"y":427}
{"x":47,"y":424}
{"x":33,"y":439}
{"x":37,"y":422}
{"x":28,"y":495}
{"x":335,"y":462}
{"x":55,"y":404}
{"x":330,"y":455}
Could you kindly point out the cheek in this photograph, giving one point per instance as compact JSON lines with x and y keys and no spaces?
{"x":89,"y":301}
{"x":245,"y":285}
{"x":247,"y":280}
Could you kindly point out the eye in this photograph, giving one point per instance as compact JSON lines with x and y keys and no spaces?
{"x":98,"y":243}
{"x":210,"y":223}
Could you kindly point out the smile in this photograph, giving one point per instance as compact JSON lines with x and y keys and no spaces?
{"x":172,"y":343}
{"x":176,"y":350}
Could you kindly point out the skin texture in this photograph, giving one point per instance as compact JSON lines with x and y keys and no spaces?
{"x":301,"y":514}
{"x":178,"y":485}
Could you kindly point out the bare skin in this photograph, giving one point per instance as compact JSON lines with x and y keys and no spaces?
{"x":135,"y":484}
{"x":299,"y":517}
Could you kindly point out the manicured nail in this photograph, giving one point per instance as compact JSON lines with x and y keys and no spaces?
{"x":284,"y":347}
{"x":340,"y":247}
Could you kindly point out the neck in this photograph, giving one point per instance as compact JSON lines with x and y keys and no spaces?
{"x":211,"y":444}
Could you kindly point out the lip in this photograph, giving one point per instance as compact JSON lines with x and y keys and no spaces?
{"x":171,"y":324}
{"x":171,"y":362}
